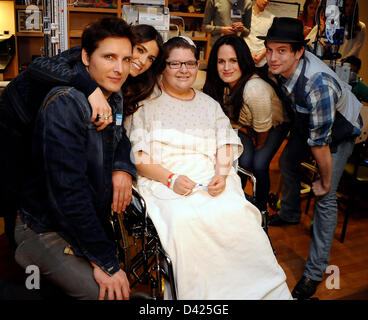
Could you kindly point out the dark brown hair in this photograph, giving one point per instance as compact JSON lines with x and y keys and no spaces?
{"x":215,"y":87}
{"x":102,"y":29}
{"x":304,"y":14}
{"x":137,"y":89}
{"x":178,"y":42}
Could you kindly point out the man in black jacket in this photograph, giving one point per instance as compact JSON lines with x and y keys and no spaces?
{"x":19,"y":104}
{"x":63,"y":226}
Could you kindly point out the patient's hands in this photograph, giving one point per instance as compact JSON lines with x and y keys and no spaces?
{"x":217,"y":185}
{"x":183,"y":185}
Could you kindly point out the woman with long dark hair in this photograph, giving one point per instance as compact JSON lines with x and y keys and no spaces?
{"x":253,"y":102}
{"x":308,"y":16}
{"x":145,"y":67}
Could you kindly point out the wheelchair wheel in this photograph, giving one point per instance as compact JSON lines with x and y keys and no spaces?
{"x":129,"y":251}
{"x":158,"y":285}
{"x":147,"y":266}
{"x":131,"y":247}
{"x":143,"y":262}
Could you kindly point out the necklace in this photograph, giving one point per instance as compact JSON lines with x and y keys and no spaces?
{"x":173,"y":96}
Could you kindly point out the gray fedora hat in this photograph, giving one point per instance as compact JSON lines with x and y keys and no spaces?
{"x":284,"y":29}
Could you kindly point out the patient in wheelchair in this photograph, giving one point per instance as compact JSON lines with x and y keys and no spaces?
{"x":184,"y":148}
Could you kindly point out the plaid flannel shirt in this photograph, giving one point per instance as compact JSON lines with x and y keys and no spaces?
{"x":322,"y":92}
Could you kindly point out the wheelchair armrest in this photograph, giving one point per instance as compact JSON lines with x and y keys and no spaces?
{"x":142,"y":202}
{"x":251,"y":176}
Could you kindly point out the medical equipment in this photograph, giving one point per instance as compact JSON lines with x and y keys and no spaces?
{"x":152,"y":12}
{"x":331,"y":30}
{"x":55,"y":26}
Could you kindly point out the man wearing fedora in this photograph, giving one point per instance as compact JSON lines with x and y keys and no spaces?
{"x":325,"y":121}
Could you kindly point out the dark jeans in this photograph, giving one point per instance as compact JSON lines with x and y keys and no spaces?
{"x":258,"y":161}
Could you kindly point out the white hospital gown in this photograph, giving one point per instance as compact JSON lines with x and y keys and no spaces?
{"x":217,"y":245}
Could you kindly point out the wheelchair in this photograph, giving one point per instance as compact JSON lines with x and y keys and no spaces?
{"x":252,"y":198}
{"x":140,"y":251}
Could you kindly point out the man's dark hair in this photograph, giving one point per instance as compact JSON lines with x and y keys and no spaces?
{"x":355,"y":61}
{"x":105,"y":28}
{"x":297,"y":46}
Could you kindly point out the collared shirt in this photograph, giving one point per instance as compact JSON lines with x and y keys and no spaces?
{"x":321,"y":94}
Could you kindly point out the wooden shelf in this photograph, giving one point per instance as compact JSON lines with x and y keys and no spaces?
{"x":30,"y":34}
{"x":76,"y":33}
{"x":187,"y":14}
{"x":17,"y":6}
{"x":92,"y":10}
{"x":28,"y":43}
{"x":199,"y":38}
{"x":194,"y":21}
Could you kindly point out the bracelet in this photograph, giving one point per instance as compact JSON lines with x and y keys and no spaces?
{"x":173,"y":179}
{"x":169,"y":180}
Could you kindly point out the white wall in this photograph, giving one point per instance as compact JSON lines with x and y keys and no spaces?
{"x":7,"y":17}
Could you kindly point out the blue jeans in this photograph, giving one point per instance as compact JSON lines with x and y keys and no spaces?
{"x":325,"y":209}
{"x":258,"y":161}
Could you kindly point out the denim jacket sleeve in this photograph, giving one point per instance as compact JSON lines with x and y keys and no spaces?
{"x":124,"y":158}
{"x":64,"y":136}
{"x":58,"y":70}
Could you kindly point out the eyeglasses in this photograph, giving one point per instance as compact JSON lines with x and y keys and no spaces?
{"x":191,"y":64}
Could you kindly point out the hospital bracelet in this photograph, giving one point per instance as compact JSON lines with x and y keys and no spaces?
{"x":171,"y":181}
